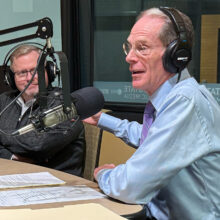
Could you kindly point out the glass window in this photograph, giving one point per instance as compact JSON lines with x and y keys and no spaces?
{"x":113,"y":20}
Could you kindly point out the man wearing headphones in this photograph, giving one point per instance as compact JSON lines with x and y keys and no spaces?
{"x":63,"y":146}
{"x":175,"y":170}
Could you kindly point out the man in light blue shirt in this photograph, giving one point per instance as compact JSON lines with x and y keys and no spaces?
{"x":175,"y":171}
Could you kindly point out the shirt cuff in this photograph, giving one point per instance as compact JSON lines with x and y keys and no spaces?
{"x":108,"y":122}
{"x":101,"y":173}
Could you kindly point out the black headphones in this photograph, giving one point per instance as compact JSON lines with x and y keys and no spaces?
{"x":51,"y":67}
{"x":178,"y":53}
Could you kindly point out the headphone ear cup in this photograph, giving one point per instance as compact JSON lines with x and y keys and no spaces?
{"x":167,"y":58}
{"x":181,"y":57}
{"x":176,"y":57}
{"x":51,"y":69}
{"x":9,"y":77}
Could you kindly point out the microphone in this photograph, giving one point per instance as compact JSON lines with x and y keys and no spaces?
{"x":85,"y":103}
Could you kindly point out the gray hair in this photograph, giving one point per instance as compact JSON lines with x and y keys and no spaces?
{"x":167,"y":33}
{"x":23,"y":50}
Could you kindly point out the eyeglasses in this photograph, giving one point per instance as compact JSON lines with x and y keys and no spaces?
{"x":139,"y":49}
{"x":21,"y":75}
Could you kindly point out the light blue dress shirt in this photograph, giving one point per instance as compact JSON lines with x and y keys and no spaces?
{"x":176,"y":170}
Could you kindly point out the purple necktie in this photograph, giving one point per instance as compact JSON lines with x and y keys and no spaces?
{"x":147,"y":120}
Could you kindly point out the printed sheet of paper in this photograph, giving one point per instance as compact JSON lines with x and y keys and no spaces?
{"x":47,"y":195}
{"x":89,"y":211}
{"x":28,"y":179}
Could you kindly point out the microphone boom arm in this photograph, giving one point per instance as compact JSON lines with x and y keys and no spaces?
{"x":44,"y":31}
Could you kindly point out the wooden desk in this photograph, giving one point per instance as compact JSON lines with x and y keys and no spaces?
{"x":14,"y":167}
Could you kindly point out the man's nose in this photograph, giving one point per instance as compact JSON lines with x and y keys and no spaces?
{"x":131,"y":57}
{"x":29,"y":75}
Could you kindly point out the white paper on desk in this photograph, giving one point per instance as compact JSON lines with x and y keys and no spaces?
{"x":89,"y":211}
{"x":47,"y":195}
{"x":28,"y":179}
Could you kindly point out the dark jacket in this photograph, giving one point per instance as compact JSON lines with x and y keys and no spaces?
{"x":62,"y":147}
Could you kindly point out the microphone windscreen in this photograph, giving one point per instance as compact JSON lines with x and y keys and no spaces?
{"x":88,"y":101}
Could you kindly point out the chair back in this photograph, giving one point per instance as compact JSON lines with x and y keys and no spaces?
{"x":93,"y":137}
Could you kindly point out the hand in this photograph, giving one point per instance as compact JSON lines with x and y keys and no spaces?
{"x":22,"y":159}
{"x":93,"y":120}
{"x":105,"y":166}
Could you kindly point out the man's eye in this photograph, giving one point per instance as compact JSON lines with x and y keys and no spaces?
{"x":22,"y":72}
{"x":141,"y":48}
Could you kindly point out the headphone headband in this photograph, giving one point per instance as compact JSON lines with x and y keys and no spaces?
{"x":178,"y":52}
{"x":8,"y":55}
{"x":178,"y":23}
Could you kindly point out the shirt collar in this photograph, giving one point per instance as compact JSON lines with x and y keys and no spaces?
{"x":25,"y":105}
{"x":160,"y":94}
